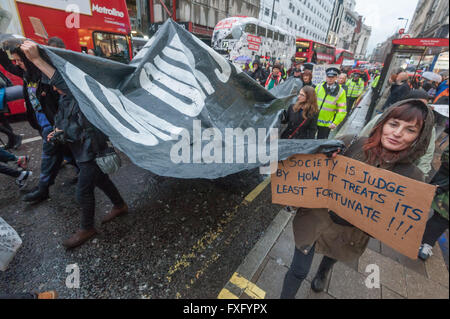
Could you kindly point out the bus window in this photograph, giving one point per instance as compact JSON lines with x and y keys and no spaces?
{"x":261,"y":31}
{"x":276,"y":36}
{"x":111,"y":46}
{"x":269,"y":34}
{"x":302,"y":46}
{"x":250,"y":28}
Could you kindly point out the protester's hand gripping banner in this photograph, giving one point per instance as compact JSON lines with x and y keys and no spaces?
{"x":392,"y":208}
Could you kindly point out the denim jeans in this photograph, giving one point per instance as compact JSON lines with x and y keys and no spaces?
{"x":89,"y":177}
{"x":51,"y":160}
{"x":300,"y":267}
{"x":8,"y":157}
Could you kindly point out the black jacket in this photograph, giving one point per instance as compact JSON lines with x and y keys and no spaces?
{"x":259,"y":76}
{"x":294,"y":120}
{"x":45,"y":93}
{"x":84,"y":140}
{"x":398,"y":93}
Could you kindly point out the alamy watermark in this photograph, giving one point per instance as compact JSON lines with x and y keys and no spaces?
{"x":252,"y":146}
{"x":73,"y":279}
{"x":373,"y":280}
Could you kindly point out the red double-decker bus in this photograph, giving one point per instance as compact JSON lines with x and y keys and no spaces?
{"x":102,"y":26}
{"x":344,"y":57}
{"x":314,"y":52}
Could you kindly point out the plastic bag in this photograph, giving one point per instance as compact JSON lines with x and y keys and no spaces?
{"x":10,"y":242}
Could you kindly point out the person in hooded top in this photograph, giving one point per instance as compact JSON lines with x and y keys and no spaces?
{"x":424,"y":162}
{"x":258,"y":74}
{"x":400,"y":136}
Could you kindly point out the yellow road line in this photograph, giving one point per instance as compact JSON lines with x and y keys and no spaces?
{"x":208,"y":238}
{"x":254,"y":193}
{"x":226,"y":294}
{"x":250,"y":288}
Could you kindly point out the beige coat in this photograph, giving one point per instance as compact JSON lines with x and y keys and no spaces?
{"x":342,"y":242}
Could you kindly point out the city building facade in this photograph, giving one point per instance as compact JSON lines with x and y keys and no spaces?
{"x":198,"y":16}
{"x":303,"y":18}
{"x":347,"y":29}
{"x":430,"y":20}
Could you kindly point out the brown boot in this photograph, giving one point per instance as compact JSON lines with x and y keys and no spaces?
{"x":79,"y":238}
{"x":47,"y":295}
{"x":115,"y":212}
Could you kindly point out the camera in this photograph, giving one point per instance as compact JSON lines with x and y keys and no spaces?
{"x":59,"y":138}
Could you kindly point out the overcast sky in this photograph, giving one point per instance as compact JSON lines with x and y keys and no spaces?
{"x":382,"y":16}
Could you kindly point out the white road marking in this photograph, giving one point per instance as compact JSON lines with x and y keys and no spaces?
{"x":30,"y":140}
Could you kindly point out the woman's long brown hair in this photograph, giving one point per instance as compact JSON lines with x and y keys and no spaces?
{"x":373,"y":148}
{"x":310,"y":107}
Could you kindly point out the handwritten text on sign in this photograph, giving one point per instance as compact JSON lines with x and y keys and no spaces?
{"x":390,"y":207}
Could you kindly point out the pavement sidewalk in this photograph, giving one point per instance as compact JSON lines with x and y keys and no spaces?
{"x":261,"y":274}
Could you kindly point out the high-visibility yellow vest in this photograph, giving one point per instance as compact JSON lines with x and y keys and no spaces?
{"x":355,"y":89}
{"x":375,"y":81}
{"x":332,"y":109}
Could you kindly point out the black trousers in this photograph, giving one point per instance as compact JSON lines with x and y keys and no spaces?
{"x":323,"y":132}
{"x":301,"y":264}
{"x":350,"y":102}
{"x":436,"y":226}
{"x":89,"y":177}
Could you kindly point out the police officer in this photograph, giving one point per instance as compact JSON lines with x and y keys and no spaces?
{"x":355,"y":87}
{"x":331,"y":99}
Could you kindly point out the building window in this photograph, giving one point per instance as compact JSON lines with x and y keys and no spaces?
{"x":267,"y":11}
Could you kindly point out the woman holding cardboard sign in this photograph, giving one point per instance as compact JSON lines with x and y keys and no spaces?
{"x":401,"y":135}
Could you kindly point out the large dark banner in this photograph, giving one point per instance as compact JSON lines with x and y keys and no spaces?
{"x":147,"y":106}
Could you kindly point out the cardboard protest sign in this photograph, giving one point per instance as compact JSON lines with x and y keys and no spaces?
{"x":319,"y":75}
{"x":392,"y":208}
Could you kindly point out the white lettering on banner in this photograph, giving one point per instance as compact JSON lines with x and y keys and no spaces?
{"x":112,"y":12}
{"x":177,"y":79}
{"x":185,"y":83}
{"x":127,"y":109}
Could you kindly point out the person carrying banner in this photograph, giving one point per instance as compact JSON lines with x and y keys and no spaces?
{"x":274,"y":78}
{"x":400,"y":136}
{"x":331,"y":99}
{"x":85,"y":142}
{"x":41,"y":103}
{"x":301,"y":117}
{"x":355,"y":87}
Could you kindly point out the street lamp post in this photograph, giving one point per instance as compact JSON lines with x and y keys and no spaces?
{"x":407,"y":20}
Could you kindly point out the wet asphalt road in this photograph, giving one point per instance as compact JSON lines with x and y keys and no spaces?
{"x":181,"y":239}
